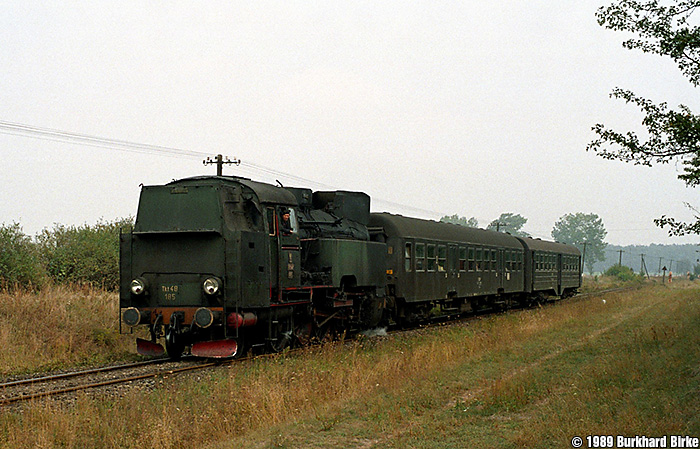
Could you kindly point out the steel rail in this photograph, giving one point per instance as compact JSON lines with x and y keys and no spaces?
{"x":27,"y":397}
{"x":103,"y":369}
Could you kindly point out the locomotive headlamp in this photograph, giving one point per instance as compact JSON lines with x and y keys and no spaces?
{"x":211,"y":286}
{"x":138,"y":286}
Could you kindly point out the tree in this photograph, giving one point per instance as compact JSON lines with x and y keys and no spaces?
{"x":586,"y":232}
{"x":510,"y":223}
{"x":671,"y":134}
{"x":462,"y":221}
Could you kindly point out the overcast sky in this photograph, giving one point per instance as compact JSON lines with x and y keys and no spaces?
{"x":432,"y":108}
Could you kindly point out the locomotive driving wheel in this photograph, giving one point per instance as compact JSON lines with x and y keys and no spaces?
{"x":281,"y":336}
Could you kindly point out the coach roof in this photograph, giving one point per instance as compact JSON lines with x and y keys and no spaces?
{"x":400,"y":226}
{"x":543,"y":245}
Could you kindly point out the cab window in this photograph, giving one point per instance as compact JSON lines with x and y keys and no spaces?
{"x":271,"y":221}
{"x":287,"y":221}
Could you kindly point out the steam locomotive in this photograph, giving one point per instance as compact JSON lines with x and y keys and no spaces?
{"x":210,"y":267}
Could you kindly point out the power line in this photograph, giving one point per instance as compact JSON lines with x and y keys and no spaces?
{"x":56,"y":135}
{"x":19,"y":129}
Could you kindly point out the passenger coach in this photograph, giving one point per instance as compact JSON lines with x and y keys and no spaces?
{"x":457,"y":266}
{"x":551,"y":268}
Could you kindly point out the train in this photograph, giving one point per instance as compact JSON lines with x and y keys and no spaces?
{"x":216,"y":266}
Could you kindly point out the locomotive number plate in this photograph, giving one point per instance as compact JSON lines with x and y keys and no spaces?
{"x":169,"y":292}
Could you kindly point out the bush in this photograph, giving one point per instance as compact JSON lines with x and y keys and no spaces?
{"x":19,"y":259}
{"x":623,"y":273}
{"x":84,"y":254}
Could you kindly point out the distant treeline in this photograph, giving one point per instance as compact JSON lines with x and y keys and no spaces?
{"x":678,"y":258}
{"x":87,"y":254}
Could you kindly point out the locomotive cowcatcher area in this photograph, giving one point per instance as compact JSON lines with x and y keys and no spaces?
{"x":217,"y":266}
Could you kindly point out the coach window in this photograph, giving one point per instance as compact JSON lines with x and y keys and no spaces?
{"x":407,"y":255}
{"x":471,"y":263}
{"x":431,"y":257}
{"x":462,"y":258}
{"x":420,"y":256}
{"x":442,"y":257}
{"x":493,"y":259}
{"x":478,"y":259}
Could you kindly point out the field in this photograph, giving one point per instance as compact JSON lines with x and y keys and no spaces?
{"x":533,"y":378}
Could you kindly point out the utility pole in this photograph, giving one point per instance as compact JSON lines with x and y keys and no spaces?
{"x":620,"y":251}
{"x":659,"y":271}
{"x":643,"y":267}
{"x":583,"y":259}
{"x":219,"y":161}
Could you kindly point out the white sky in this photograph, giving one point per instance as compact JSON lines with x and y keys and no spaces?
{"x":473,"y":108}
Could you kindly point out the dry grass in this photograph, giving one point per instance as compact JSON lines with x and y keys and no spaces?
{"x":59,"y":327}
{"x":530,"y":379}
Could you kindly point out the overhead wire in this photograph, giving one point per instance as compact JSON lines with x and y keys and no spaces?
{"x":56,"y":135}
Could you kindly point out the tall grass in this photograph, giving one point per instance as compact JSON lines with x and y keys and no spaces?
{"x":58,"y":327}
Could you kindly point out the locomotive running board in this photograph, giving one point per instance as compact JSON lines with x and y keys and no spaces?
{"x":218,"y":349}
{"x":147,"y":347}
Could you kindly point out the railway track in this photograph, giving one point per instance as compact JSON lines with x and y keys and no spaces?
{"x":40,"y":387}
{"x":54,"y":385}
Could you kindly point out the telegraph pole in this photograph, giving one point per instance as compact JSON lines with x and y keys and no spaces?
{"x":219,"y":161}
{"x":620,"y":251}
{"x":643,"y":267}
{"x":583,"y":259}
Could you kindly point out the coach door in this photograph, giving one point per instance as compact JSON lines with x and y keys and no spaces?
{"x":500,"y":270}
{"x":452,"y":269}
{"x":559,"y":280}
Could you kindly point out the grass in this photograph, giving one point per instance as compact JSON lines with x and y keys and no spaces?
{"x":530,"y":379}
{"x":59,"y":327}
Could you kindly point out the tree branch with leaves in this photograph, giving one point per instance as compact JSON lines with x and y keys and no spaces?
{"x":665,"y":30}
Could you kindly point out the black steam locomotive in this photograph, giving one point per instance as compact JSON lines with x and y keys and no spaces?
{"x":219,"y":265}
